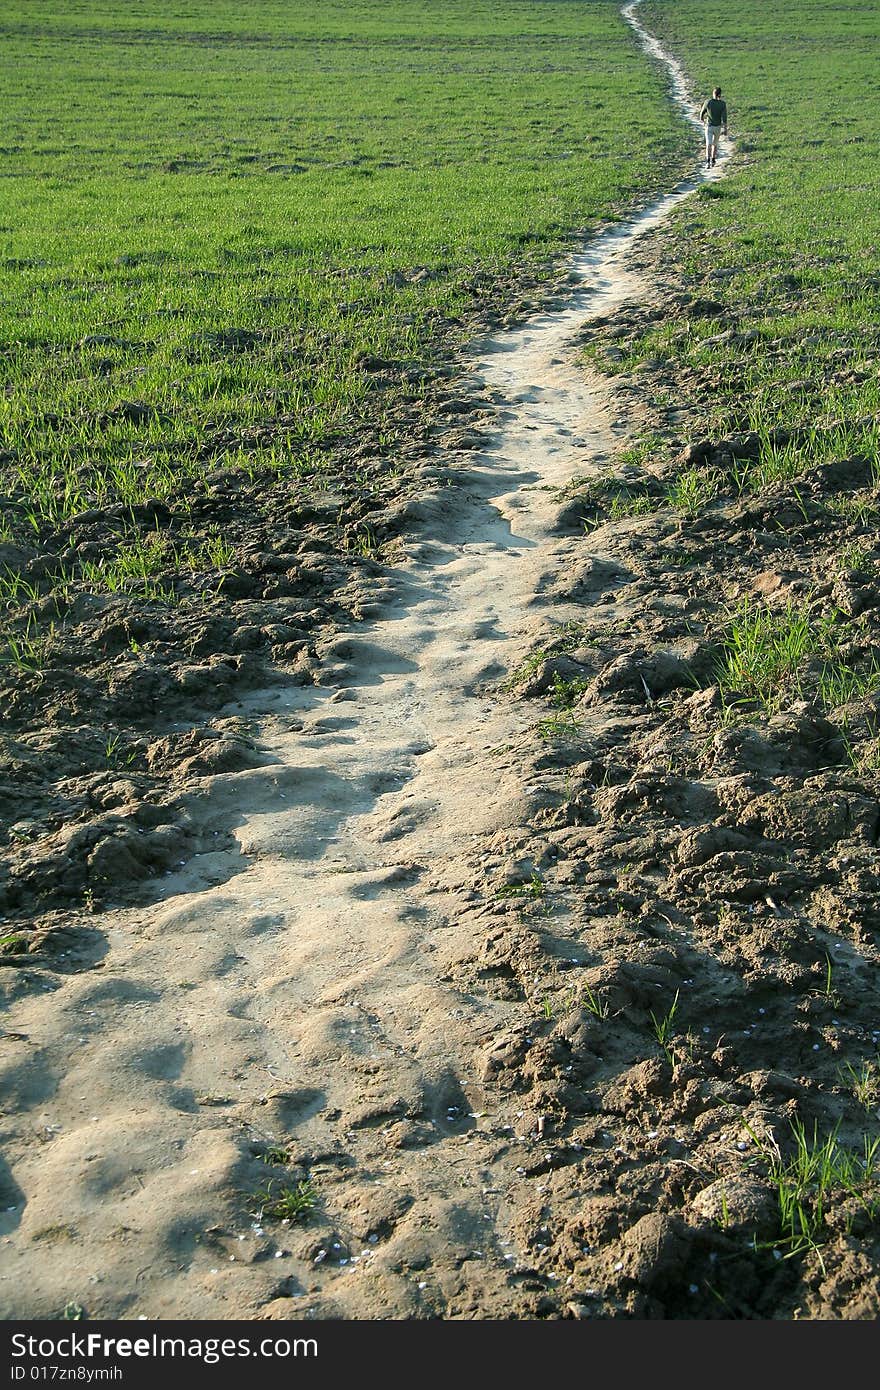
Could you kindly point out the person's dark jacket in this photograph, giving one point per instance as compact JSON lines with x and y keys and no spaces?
{"x":714,"y":112}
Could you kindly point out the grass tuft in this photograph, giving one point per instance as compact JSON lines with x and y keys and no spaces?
{"x":815,"y":1175}
{"x":285,"y":1203}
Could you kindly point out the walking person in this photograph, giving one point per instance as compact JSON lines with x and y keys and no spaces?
{"x":714,"y":117}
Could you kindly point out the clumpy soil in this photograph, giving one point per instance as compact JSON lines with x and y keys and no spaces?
{"x":711,"y":1008}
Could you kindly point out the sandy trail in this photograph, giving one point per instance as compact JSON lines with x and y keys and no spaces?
{"x":298,"y":990}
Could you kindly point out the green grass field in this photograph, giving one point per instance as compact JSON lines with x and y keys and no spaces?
{"x":797,"y":224}
{"x":786,"y":253}
{"x":212,"y":213}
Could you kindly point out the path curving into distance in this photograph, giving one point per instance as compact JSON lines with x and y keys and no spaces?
{"x":301,"y":989}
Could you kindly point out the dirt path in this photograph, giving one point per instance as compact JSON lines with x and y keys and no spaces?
{"x":299,"y":993}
